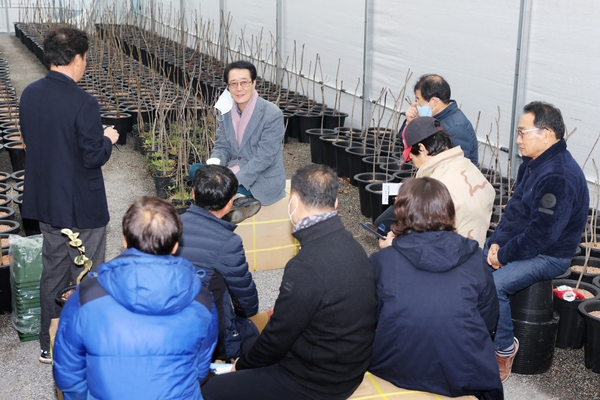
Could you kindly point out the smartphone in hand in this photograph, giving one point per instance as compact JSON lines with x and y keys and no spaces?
{"x":373,"y":230}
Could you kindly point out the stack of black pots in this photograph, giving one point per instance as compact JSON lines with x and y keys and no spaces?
{"x":535,"y":326}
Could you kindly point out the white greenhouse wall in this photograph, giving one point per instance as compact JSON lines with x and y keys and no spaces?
{"x":472,"y":43}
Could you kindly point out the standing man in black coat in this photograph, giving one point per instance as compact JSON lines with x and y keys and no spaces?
{"x":317,"y":344}
{"x":66,"y":149}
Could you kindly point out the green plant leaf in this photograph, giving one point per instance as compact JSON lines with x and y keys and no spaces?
{"x":75,"y":243}
{"x":80,"y":259}
{"x":87,"y":264}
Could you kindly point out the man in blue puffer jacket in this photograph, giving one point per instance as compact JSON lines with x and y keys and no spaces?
{"x":144,"y":329}
{"x":211,"y":245}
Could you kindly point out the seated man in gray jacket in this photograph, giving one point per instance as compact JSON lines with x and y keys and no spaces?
{"x":211,"y":245}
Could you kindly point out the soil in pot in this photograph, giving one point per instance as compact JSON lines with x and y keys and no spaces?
{"x":9,"y":226}
{"x":593,"y":269}
{"x":6,"y":213}
{"x":5,"y":200}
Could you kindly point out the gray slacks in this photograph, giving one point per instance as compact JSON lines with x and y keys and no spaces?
{"x":60,"y":271}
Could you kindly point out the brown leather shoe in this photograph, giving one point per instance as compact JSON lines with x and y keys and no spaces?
{"x":505,"y":363}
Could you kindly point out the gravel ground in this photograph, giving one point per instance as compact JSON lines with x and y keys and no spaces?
{"x":23,"y":377}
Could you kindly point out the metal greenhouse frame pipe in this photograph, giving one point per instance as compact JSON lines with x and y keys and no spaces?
{"x":519,"y":82}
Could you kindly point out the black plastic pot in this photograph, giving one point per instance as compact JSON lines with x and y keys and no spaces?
{"x":534,"y":303}
{"x":289,"y":120}
{"x":404,"y":174}
{"x":18,"y":186}
{"x":4,"y":176}
{"x":341,"y":158}
{"x":121,"y":122}
{"x":333,"y":119}
{"x":375,"y":197}
{"x":571,"y":326}
{"x":143,"y":111}
{"x":306,"y":120}
{"x":355,"y":163}
{"x":316,"y":145}
{"x":60,"y":293}
{"x":536,"y":345}
{"x":389,"y":167}
{"x":535,"y":325}
{"x":160,"y":183}
{"x":4,"y":187}
{"x":30,"y":226}
{"x":18,"y":175}
{"x":329,"y":156}
{"x":364,"y":179}
{"x":592,"y":334}
{"x":16,"y":152}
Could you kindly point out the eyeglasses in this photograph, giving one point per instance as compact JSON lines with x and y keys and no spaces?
{"x":242,"y":84}
{"x":522,"y":133}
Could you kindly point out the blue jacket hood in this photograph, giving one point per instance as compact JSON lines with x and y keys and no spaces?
{"x":435,"y":251}
{"x":150,"y":284}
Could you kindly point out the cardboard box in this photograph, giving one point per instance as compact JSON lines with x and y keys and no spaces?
{"x":373,"y":387}
{"x":53,"y":329}
{"x":267,"y":236}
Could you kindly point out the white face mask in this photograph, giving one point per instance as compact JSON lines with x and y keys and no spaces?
{"x":291,"y":213}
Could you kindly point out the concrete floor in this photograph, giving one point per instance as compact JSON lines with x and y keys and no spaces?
{"x":23,"y":377}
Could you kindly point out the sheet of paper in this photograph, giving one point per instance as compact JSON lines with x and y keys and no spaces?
{"x":387,"y":190}
{"x":218,"y":368}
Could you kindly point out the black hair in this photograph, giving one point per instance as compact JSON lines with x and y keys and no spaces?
{"x":434,"y":144}
{"x":316,"y":185}
{"x":63,"y":43}
{"x":214,"y":186}
{"x":546,"y":116}
{"x":240,"y":65}
{"x":152,"y":225}
{"x":432,"y":85}
{"x":423,"y":205}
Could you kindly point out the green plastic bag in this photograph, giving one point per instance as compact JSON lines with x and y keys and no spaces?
{"x":25,"y":272}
